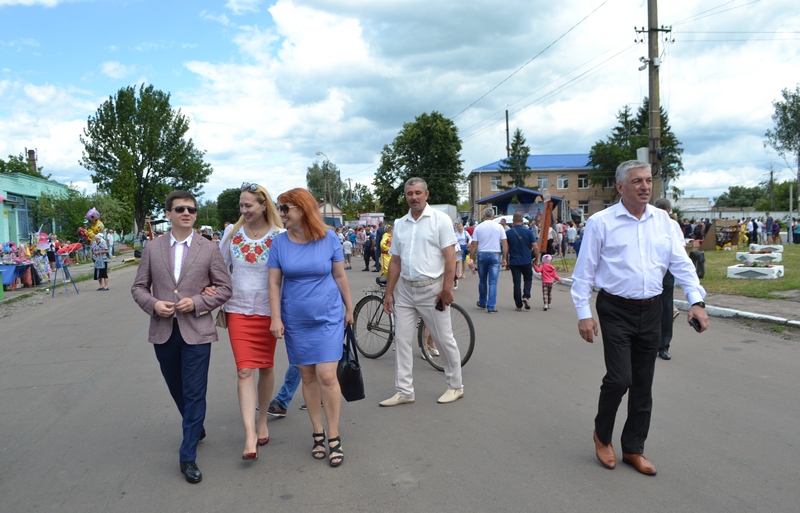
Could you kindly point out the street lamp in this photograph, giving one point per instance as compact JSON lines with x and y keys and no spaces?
{"x":327,"y":191}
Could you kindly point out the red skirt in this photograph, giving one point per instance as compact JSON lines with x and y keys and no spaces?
{"x":252,"y":343}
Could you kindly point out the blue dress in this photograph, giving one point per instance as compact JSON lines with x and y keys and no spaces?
{"x":312,"y":310}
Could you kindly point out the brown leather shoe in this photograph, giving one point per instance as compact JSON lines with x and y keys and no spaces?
{"x":605,"y":453}
{"x":640,"y":463}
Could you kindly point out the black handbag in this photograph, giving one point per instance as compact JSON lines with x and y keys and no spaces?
{"x":349,"y":370}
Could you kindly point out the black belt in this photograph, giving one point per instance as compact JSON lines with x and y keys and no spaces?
{"x":634,"y":302}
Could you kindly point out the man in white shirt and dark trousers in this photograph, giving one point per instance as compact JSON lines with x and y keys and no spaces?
{"x":420,"y":284}
{"x":489,"y":248}
{"x":626,"y":250}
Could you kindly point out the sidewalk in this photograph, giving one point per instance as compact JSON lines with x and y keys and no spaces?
{"x":778,"y":311}
{"x":75,"y":270}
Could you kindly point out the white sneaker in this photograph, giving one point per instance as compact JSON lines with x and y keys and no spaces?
{"x":396,"y":400}
{"x":451,"y":395}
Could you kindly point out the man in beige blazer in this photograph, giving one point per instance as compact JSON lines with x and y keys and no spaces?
{"x":174,"y":270}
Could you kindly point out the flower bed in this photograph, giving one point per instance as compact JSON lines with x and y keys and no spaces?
{"x":767,"y":258}
{"x":757,"y":248}
{"x":756,"y":271}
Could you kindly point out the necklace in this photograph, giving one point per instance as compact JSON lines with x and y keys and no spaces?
{"x":257,"y":235}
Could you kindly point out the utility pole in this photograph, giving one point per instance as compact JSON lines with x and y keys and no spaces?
{"x":653,"y":62}
{"x":508,"y":140}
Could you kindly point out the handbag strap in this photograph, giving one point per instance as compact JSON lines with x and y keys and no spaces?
{"x":350,"y":341}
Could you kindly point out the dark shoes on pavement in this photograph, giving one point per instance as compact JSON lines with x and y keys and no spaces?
{"x":276,"y":410}
{"x":605,"y":453}
{"x":664,"y":354}
{"x":640,"y":463}
{"x":192,"y":473}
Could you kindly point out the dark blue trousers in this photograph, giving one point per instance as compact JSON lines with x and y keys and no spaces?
{"x":185,"y":369}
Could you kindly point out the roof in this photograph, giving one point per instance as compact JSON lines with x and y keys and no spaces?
{"x":502,"y":199}
{"x":560,"y":161}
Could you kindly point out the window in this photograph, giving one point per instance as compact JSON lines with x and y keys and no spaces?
{"x":542,"y":182}
{"x":609,"y":183}
{"x":497,"y":181}
{"x":583,"y":206}
{"x":607,"y":203}
{"x":563,"y":181}
{"x":583,"y":181}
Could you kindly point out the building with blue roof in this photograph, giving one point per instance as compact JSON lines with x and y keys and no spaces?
{"x":564,"y":175}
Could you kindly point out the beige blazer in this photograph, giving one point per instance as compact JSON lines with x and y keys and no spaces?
{"x":155,"y":281}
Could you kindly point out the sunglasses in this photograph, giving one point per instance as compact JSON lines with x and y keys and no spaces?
{"x":284,"y":208}
{"x":252,"y":187}
{"x":180,"y":209}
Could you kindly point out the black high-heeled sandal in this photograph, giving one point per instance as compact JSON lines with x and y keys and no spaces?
{"x":335,"y":452}
{"x":318,"y":454}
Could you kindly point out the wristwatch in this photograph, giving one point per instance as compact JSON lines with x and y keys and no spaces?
{"x":700,"y":304}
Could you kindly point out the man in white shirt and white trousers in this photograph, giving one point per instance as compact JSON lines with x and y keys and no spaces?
{"x":421,"y":272}
{"x":626,"y":250}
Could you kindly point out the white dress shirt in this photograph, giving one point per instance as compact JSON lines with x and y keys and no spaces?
{"x":419,"y":243}
{"x":628,"y":257}
{"x":178,"y":249}
{"x":489,"y":235}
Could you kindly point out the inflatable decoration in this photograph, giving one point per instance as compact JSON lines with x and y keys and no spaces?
{"x":95,"y":225}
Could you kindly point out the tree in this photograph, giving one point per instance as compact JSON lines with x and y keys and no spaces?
{"x":68,"y":212}
{"x":785,"y":138}
{"x":207,"y":214}
{"x":632,"y":133}
{"x":359,"y":200}
{"x":738,"y":196}
{"x":315,"y":181}
{"x":19,"y":164}
{"x":137,"y":153}
{"x":516,"y":164}
{"x":228,"y":206}
{"x":428,"y":148}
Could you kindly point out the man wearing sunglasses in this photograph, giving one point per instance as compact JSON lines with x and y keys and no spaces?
{"x":173,"y":272}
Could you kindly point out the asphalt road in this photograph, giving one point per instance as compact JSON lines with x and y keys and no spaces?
{"x":88,"y":425}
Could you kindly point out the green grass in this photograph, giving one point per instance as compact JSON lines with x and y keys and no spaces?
{"x":716,"y":280}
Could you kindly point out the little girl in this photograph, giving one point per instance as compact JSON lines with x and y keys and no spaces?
{"x":548,"y":275}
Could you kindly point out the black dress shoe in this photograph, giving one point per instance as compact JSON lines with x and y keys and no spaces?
{"x":664,"y":354}
{"x":192,"y":473}
{"x":202,"y":435}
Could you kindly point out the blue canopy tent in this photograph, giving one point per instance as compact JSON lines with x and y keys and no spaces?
{"x":502,"y":199}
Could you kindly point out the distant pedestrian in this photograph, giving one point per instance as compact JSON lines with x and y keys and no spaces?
{"x":347,"y":247}
{"x":110,"y":243}
{"x":489,"y":249}
{"x":549,"y":275}
{"x":520,"y":242}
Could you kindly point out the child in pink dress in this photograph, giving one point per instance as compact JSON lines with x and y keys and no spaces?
{"x":549,"y":275}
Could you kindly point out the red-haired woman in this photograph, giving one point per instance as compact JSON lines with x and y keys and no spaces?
{"x":245,"y":248}
{"x":311,"y":303}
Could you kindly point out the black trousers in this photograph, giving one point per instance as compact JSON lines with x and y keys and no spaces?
{"x":631,"y":335}
{"x":667,"y":296}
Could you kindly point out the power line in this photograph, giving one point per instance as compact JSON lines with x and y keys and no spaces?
{"x":704,"y":14}
{"x":531,"y":60}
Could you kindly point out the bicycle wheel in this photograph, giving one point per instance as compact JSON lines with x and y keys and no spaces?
{"x":372,"y":327}
{"x":463,"y":332}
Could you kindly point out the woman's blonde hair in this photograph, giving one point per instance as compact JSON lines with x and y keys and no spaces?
{"x":270,"y":212}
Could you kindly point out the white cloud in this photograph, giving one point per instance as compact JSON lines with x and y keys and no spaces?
{"x":114,"y":69}
{"x":242,"y":6}
{"x":222,"y":19}
{"x":46,"y":3}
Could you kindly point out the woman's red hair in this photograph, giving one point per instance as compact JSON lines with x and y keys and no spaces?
{"x":313,"y":225}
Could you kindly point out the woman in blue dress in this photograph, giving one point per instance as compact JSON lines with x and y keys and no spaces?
{"x":310,"y":301}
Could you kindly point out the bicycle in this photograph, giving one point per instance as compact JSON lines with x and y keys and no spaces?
{"x":374,"y":329}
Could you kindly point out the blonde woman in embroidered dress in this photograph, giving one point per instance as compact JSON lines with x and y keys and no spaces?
{"x":245,"y":247}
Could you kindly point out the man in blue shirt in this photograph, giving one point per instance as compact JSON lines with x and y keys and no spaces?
{"x":520,"y":242}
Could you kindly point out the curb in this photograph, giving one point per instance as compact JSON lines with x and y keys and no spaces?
{"x":717,"y":311}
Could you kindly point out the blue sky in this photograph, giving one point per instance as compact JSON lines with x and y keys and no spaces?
{"x":266,"y":84}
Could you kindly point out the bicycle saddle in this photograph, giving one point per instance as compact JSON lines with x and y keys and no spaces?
{"x":381,"y":280}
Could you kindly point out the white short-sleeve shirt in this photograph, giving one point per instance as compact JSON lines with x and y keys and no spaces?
{"x":419,"y":243}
